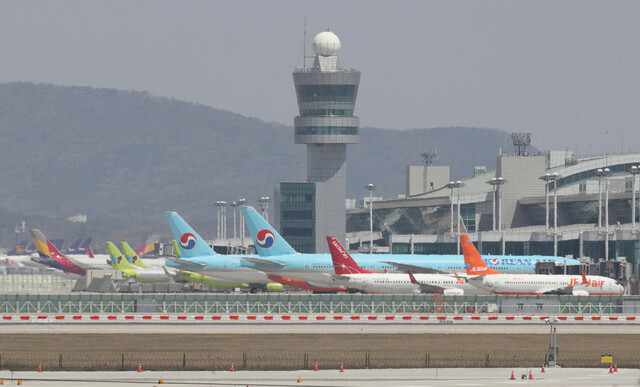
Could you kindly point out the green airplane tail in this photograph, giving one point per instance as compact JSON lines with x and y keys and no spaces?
{"x":119,"y":261}
{"x":131,"y":256}
{"x":176,"y":249}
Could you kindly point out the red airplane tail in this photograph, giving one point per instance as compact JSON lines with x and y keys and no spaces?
{"x":89,"y":251}
{"x":343,"y":263}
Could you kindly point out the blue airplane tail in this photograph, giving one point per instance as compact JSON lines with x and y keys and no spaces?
{"x":74,"y":247}
{"x":266,"y":239}
{"x":190,"y":243}
{"x":83,"y":247}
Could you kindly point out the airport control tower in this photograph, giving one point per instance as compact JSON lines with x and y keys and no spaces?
{"x":326,"y":94}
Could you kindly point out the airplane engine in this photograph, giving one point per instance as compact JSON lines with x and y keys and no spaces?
{"x":580,"y":293}
{"x":453,"y":292}
{"x":275,"y":287}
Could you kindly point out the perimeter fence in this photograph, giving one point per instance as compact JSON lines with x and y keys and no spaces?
{"x":309,"y":304}
{"x":296,"y":360}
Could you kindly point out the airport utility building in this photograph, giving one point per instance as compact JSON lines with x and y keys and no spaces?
{"x":530,"y":204}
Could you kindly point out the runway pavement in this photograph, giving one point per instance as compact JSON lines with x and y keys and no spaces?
{"x":326,"y":378}
{"x":320,"y":328}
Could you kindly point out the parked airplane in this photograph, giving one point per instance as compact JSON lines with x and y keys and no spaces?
{"x":483,"y":277}
{"x":197,"y":256}
{"x":276,"y":256}
{"x":394,"y":283}
{"x":200,"y":278}
{"x":49,"y":254}
{"x":139,"y":274}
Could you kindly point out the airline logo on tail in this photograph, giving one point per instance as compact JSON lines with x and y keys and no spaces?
{"x":188,"y":241}
{"x":265,"y":239}
{"x":473,"y":262}
{"x":343,"y":263}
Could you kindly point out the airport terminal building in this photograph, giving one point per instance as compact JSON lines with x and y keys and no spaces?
{"x":510,"y":210}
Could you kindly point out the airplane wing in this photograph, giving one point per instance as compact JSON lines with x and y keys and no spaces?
{"x":415,"y":269}
{"x":185,"y":262}
{"x":264,"y":263}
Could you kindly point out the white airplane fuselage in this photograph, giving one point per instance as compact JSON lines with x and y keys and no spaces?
{"x":536,"y":284}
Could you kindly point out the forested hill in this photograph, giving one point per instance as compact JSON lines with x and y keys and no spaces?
{"x":124,"y":157}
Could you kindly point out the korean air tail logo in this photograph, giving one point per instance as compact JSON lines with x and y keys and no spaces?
{"x":188,"y":241}
{"x":265,"y":238}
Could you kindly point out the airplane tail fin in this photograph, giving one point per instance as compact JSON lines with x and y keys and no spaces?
{"x":83,"y":247}
{"x":119,"y":261}
{"x":473,"y":263}
{"x":266,"y":239}
{"x":131,"y":256}
{"x":176,"y":249}
{"x":89,"y":251}
{"x":40,"y":242}
{"x":74,"y":246}
{"x":584,"y":277}
{"x":64,"y":261}
{"x":412,"y":278}
{"x":147,"y":246}
{"x":189,"y":242}
{"x":343,"y":263}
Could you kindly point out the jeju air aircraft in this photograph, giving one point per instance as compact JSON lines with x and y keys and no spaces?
{"x":276,"y":256}
{"x":139,"y":274}
{"x":369,"y":281}
{"x":483,"y":277}
{"x":49,"y":254}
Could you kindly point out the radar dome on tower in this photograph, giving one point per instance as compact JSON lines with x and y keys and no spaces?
{"x":326,"y":43}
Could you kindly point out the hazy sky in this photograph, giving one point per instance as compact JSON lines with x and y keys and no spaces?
{"x":567,"y":71}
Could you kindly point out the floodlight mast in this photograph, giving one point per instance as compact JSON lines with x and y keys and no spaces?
{"x":455,"y":184}
{"x":370,"y":188}
{"x":496,"y":183}
{"x":604,"y":174}
{"x":634,"y":171}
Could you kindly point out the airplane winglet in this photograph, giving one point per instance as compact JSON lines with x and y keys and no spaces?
{"x":584,"y":277}
{"x":90,"y":251}
{"x":412,"y":278}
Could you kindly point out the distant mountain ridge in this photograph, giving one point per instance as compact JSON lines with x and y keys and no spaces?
{"x":124,"y":157}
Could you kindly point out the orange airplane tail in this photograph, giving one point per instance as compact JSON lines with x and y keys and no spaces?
{"x":473,"y":262}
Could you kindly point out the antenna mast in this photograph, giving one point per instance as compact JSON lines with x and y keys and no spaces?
{"x":304,"y":45}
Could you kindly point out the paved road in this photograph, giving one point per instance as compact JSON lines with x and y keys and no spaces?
{"x":326,"y":378}
{"x":319,"y":328}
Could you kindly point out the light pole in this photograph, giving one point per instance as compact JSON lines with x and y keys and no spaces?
{"x":555,"y":213}
{"x":370,"y":188}
{"x":242,"y":202}
{"x":547,"y":178}
{"x":633,"y":171}
{"x":553,"y":342}
{"x":220,"y":204}
{"x":234,"y":205}
{"x":496,"y":183}
{"x":455,"y":184}
{"x":264,"y":203}
{"x":600,"y":174}
{"x":603,"y":174}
